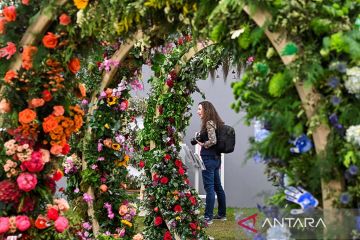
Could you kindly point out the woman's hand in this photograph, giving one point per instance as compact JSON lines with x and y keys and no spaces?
{"x":200,"y":143}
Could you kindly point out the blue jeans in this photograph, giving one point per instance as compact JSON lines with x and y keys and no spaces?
{"x":212,"y":185}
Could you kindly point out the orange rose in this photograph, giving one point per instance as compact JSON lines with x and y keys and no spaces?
{"x":74,"y":65}
{"x":58,"y":110}
{"x":27,"y":116}
{"x":50,"y":40}
{"x":10,"y":75}
{"x":27,"y":55}
{"x":10,"y":13}
{"x":49,"y":123}
{"x":56,"y":149}
{"x":58,"y":130}
{"x":64,"y":19}
{"x":2,"y":25}
{"x":36,"y":102}
{"x":108,"y":92}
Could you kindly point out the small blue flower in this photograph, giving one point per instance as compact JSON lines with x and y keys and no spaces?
{"x":345,"y":198}
{"x":341,"y":67}
{"x":353,"y":170}
{"x":258,"y":236}
{"x":333,"y":82}
{"x":302,"y":144}
{"x":261,"y":135}
{"x":335,"y":100}
{"x":333,"y":118}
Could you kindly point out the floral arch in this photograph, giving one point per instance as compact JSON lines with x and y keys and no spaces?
{"x":39,"y":78}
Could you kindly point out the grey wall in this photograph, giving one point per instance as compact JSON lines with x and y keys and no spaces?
{"x":245,"y":183}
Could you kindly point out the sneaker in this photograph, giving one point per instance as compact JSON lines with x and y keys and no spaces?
{"x":221,"y":218}
{"x":208,"y":221}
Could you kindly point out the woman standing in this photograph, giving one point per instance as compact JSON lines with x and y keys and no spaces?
{"x":210,"y":120}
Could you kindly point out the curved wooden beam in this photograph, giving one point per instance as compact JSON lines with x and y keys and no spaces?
{"x":310,"y":100}
{"x":118,"y":56}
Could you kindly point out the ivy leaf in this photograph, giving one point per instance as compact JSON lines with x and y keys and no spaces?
{"x":289,"y":49}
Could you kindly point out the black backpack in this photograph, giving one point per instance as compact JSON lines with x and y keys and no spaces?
{"x":225,"y":136}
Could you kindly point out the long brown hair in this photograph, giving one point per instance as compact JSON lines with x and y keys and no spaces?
{"x":210,"y":113}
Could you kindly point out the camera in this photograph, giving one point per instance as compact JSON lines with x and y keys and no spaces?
{"x":194,"y":140}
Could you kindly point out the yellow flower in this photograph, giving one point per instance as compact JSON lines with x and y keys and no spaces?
{"x":178,"y":218}
{"x":107,"y":126}
{"x":81,"y":4}
{"x":111,"y":100}
{"x":126,"y":222}
{"x":116,"y":146}
{"x":126,"y":158}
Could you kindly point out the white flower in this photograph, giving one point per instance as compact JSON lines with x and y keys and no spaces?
{"x":353,"y":134}
{"x":352,"y":84}
{"x":80,"y":17}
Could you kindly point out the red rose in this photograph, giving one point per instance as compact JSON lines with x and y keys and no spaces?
{"x":167,"y":157}
{"x":167,"y":236}
{"x":192,"y":200}
{"x":53,"y":214}
{"x":141,"y":164}
{"x":177,"y":208}
{"x":155,"y":177}
{"x":65,"y":149}
{"x":50,"y":40}
{"x":181,"y":171}
{"x":34,"y":165}
{"x":188,"y":38}
{"x":146,"y":149}
{"x":170,"y":83}
{"x":64,"y":19}
{"x":58,"y":175}
{"x":193,"y":226}
{"x":178,"y":163}
{"x":180,"y":41}
{"x":74,"y":65}
{"x":158,"y":221}
{"x":164,"y":180}
{"x":46,"y":94}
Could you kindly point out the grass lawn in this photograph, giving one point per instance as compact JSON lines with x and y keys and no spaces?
{"x":223,"y":230}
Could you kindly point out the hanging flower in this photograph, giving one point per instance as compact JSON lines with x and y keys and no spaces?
{"x":353,"y":135}
{"x":9,"y":13}
{"x":4,"y":225}
{"x":74,"y":65}
{"x":8,"y":51}
{"x":23,"y":223}
{"x":64,"y":19}
{"x":81,"y":4}
{"x":2,"y":25}
{"x":302,"y":144}
{"x":61,"y":224}
{"x":9,"y":76}
{"x":50,"y":40}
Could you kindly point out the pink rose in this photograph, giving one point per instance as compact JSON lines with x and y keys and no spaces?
{"x":4,"y":225}
{"x":123,"y":210}
{"x":61,"y":224}
{"x":25,"y":2}
{"x":9,"y":13}
{"x":45,"y":155}
{"x":26,"y":181}
{"x":36,"y":102}
{"x":58,"y":110}
{"x":138,"y":236}
{"x":5,"y":106}
{"x":23,"y":223}
{"x":64,"y":19}
{"x":56,"y":149}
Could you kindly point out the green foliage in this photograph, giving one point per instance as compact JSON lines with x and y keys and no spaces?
{"x":289,"y":49}
{"x":278,"y":84}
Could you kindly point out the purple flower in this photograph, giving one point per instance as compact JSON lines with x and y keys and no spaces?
{"x":102,"y":95}
{"x":107,"y":64}
{"x":100,"y":159}
{"x":353,"y":170}
{"x":122,"y":232}
{"x":87,"y":198}
{"x":333,"y":119}
{"x":333,"y":82}
{"x":86,"y":225}
{"x":335,"y":100}
{"x":76,"y":190}
{"x":120,"y":138}
{"x":345,"y":198}
{"x":84,"y":102}
{"x":94,"y":167}
{"x":103,"y":179}
{"x":99,"y":146}
{"x":136,"y":85}
{"x":341,"y":67}
{"x":107,"y":233}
